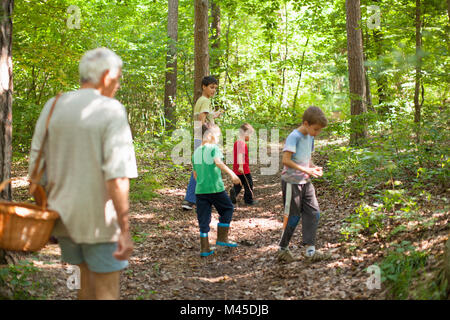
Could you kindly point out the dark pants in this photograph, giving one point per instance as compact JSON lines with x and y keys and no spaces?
{"x":300,"y":202}
{"x":247,"y":182}
{"x":221,"y":201}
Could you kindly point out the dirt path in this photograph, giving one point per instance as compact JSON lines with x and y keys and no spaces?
{"x":166,"y":262}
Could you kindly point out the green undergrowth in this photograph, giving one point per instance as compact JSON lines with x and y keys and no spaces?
{"x":399,"y":186}
{"x":22,"y":281}
{"x":404,"y":272}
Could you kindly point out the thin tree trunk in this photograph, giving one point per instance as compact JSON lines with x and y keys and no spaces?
{"x":357,"y":81}
{"x":299,"y":77}
{"x":418,"y":77}
{"x":380,"y":79}
{"x":170,"y":91}
{"x":272,"y":86}
{"x":283,"y":72}
{"x":201,"y":52}
{"x":215,"y":38}
{"x":6,"y":90}
{"x":368,"y":97}
{"x":448,"y":10}
{"x":227,"y":56}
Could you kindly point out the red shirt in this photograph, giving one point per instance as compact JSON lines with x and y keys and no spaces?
{"x":241,"y":148}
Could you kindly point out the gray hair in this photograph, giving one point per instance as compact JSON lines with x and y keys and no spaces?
{"x":95,"y":62}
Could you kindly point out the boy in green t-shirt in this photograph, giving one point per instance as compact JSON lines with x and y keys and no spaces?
{"x":203,"y":113}
{"x":210,"y":189}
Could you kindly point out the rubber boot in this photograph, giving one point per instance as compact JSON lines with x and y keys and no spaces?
{"x":222,"y":236}
{"x":205,"y":249}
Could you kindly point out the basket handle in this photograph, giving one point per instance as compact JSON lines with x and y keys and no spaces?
{"x":4,"y":184}
{"x":35,"y":189}
{"x":38,"y":193}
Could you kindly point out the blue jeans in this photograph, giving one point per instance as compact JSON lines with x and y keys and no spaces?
{"x":221,"y":201}
{"x":190,"y":192}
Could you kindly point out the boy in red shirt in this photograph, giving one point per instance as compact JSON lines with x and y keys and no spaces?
{"x":241,"y":166}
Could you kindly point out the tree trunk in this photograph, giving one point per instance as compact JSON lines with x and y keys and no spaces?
{"x":448,"y":10}
{"x":294,"y":105}
{"x":368,"y":98}
{"x":6,"y":89}
{"x":170,"y":91}
{"x":447,"y":265}
{"x":215,"y":39}
{"x":283,"y":95}
{"x":357,"y":81}
{"x":418,"y":78}
{"x":227,"y":56}
{"x":201,"y":52}
{"x":381,"y":80}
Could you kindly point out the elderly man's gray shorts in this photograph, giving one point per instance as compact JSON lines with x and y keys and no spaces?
{"x":98,"y":257}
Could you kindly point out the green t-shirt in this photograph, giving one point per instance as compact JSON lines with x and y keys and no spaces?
{"x":203,"y":104}
{"x":209,"y":176}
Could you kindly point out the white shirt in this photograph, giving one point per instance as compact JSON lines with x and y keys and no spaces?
{"x":89,"y":142}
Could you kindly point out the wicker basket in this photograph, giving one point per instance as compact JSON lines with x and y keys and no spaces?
{"x":24,"y":226}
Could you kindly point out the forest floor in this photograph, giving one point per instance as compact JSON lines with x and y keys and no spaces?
{"x":166,"y":264}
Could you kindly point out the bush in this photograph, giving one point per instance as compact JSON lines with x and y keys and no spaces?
{"x":365,"y":219}
{"x":22,"y":281}
{"x":399,"y":268}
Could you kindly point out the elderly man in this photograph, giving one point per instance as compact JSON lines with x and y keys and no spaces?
{"x":89,"y":158}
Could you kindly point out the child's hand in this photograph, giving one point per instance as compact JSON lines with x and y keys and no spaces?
{"x":241,"y":169}
{"x":218,"y":113}
{"x":314,"y":172}
{"x":236,"y":179}
{"x":319,"y":171}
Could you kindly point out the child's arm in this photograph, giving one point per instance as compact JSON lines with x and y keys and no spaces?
{"x":218,"y":113}
{"x":225,"y":168}
{"x":288,"y":162}
{"x":240,"y":150}
{"x":240,"y":161}
{"x":202,"y":117}
{"x":195,"y":175}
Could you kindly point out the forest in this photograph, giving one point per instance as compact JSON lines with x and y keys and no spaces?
{"x":378,"y":69}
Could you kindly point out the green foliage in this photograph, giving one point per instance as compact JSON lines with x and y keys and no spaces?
{"x":396,"y":199}
{"x":22,"y":282}
{"x":399,"y":267}
{"x":142,"y":188}
{"x":139,"y":236}
{"x":365,"y":219}
{"x":293,"y":57}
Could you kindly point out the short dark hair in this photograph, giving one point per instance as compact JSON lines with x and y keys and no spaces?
{"x":315,"y":115}
{"x":206,"y":81}
{"x":245,"y":128}
{"x":208,"y":126}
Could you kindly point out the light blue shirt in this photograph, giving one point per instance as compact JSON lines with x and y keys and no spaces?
{"x":301,"y":147}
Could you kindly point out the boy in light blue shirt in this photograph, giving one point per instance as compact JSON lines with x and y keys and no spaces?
{"x":299,"y":195}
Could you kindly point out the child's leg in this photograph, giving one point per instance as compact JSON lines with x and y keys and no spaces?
{"x":204,"y":220}
{"x":203,"y":213}
{"x":310,"y":214}
{"x":292,"y":201}
{"x":190,"y":191}
{"x":248,"y":187}
{"x":225,"y":209}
